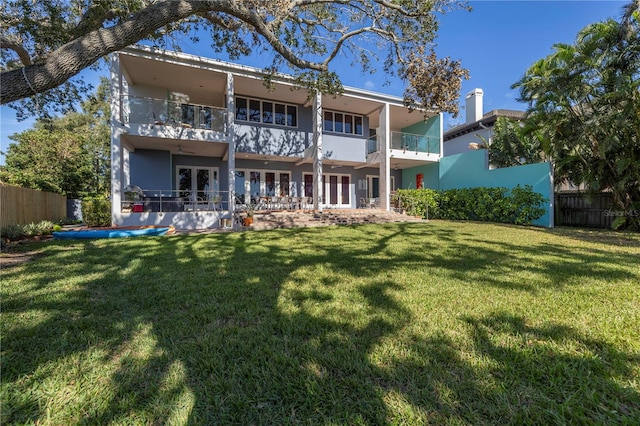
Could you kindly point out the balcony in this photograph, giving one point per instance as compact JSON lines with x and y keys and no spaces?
{"x":372,"y":145}
{"x":409,"y":142}
{"x":142,"y":110}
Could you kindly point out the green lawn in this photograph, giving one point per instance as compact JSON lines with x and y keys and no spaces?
{"x":435,"y":322}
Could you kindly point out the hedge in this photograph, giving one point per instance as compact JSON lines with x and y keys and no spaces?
{"x":520,"y":205}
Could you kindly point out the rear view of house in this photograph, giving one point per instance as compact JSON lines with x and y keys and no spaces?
{"x":194,"y":139}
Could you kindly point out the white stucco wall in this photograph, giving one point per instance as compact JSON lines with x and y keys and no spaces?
{"x":461,"y":144}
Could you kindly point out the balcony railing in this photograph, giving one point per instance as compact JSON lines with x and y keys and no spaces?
{"x":143,"y":110}
{"x":415,"y":143}
{"x":372,"y":145}
{"x":407,"y":142}
{"x":174,"y":201}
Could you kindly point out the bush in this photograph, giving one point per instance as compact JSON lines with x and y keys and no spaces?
{"x":31,"y":229}
{"x":45,"y":227}
{"x":12,"y":232}
{"x":520,"y":205}
{"x":417,"y":202}
{"x":96,"y":212}
{"x":529,"y":205}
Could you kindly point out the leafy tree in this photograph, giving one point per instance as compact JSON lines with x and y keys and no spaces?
{"x":67,"y":155}
{"x":512,"y":146}
{"x":584,"y":101}
{"x":45,"y":43}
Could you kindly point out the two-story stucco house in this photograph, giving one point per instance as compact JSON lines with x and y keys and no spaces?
{"x":194,"y":139}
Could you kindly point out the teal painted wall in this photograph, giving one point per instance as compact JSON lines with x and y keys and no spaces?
{"x":431,"y":176}
{"x":429,"y":128}
{"x":469,"y":170}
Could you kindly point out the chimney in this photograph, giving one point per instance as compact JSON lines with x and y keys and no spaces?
{"x":474,"y":105}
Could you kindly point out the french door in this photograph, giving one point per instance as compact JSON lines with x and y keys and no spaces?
{"x":337,"y":190}
{"x":197,"y":183}
{"x":252,"y":184}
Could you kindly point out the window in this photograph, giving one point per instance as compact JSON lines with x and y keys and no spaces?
{"x":328,"y":121}
{"x":241,"y":109}
{"x":280,"y":115}
{"x":292,"y":116}
{"x":338,"y":123}
{"x":254,"y":110}
{"x":358,"y":123}
{"x":343,"y":123}
{"x":266,"y":112}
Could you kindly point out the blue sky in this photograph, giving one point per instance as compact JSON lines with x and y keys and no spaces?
{"x":496,"y":42}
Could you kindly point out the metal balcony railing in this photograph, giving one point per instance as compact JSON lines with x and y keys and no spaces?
{"x":167,"y":200}
{"x":144,"y":110}
{"x":407,"y":142}
{"x":372,"y":145}
{"x":415,"y":143}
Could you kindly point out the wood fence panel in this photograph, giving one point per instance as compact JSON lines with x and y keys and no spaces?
{"x":586,"y":210}
{"x":23,"y":205}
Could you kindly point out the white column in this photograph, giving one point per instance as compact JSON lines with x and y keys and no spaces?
{"x":116,"y":131}
{"x":317,"y":158}
{"x":385,"y":169}
{"x":231,"y":140}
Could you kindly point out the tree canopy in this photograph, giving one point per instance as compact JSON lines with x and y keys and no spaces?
{"x":69,"y":155}
{"x":511,"y":145}
{"x":45,"y":43}
{"x":584,"y":101}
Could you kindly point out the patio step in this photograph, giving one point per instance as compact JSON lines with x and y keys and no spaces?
{"x":275,"y":220}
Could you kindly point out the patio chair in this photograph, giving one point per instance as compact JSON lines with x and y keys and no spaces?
{"x":216,"y":203}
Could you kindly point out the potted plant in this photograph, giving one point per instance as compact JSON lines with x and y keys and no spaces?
{"x":250,"y":210}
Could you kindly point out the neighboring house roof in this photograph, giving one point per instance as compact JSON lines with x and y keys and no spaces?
{"x":487,"y":120}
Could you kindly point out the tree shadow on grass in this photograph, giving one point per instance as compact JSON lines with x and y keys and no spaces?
{"x":241,"y":329}
{"x":553,"y":374}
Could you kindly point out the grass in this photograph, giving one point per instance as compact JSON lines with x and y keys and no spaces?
{"x":427,"y":323}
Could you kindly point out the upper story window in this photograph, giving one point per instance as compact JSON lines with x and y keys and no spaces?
{"x":343,"y":123}
{"x":266,"y":112}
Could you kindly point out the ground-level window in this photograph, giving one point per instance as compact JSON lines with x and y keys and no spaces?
{"x":197,"y":183}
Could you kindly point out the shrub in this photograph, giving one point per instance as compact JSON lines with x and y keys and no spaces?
{"x":417,"y":202}
{"x":45,"y":227}
{"x":528,"y":205}
{"x":96,"y":212}
{"x":12,"y":232}
{"x":31,"y":229}
{"x":520,"y":205}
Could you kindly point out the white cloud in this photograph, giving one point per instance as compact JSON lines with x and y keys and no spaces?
{"x":369,"y":85}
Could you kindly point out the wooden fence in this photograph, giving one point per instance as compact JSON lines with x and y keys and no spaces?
{"x":586,"y":210}
{"x":22,"y":205}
